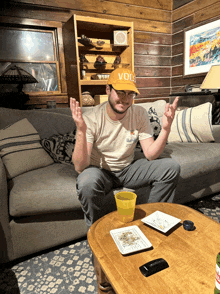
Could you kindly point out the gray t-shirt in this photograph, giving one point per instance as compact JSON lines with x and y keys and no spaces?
{"x":114,"y":142}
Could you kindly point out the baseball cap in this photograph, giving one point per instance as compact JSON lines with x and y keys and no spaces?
{"x":123,"y":79}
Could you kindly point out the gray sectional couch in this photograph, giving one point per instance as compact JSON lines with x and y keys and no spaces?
{"x":40,"y":209}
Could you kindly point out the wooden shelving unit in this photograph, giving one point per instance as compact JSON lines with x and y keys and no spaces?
{"x":95,"y":30}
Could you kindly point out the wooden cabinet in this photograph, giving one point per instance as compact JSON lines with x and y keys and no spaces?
{"x":95,"y":42}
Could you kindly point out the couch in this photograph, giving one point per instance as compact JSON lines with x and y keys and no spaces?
{"x":38,"y":201}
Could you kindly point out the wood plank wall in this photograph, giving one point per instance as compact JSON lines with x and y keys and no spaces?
{"x":152,"y":33}
{"x":186,"y":15}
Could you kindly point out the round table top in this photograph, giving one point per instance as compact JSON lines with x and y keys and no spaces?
{"x":191,"y":255}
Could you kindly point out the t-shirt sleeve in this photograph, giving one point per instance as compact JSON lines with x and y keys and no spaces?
{"x":145,"y":129}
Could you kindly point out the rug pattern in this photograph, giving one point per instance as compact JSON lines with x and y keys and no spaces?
{"x":210,"y":206}
{"x":65,"y":270}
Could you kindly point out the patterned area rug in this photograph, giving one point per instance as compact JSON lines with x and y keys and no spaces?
{"x":209,"y":206}
{"x":63,"y":271}
{"x":69,"y":269}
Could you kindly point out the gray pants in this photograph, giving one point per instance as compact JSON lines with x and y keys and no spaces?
{"x":94,"y":183}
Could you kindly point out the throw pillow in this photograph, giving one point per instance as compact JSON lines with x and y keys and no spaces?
{"x":192,"y":125}
{"x":60,"y":147}
{"x":155,"y":122}
{"x":20,"y":149}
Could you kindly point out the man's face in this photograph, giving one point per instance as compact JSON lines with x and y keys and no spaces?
{"x":120,"y":101}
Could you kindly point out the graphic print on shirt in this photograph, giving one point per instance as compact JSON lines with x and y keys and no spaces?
{"x":131,"y":137}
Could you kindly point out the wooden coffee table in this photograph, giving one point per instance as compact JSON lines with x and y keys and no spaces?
{"x":191,"y":255}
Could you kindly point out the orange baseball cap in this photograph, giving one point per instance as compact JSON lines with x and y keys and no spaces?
{"x":123,"y":79}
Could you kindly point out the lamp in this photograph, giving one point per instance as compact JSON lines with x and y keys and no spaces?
{"x":212,"y":82}
{"x":14,"y":74}
{"x":212,"y":79}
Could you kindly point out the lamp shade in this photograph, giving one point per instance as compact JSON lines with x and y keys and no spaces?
{"x":14,"y":74}
{"x":212,"y":79}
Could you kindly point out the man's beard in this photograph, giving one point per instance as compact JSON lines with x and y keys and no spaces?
{"x":114,"y":109}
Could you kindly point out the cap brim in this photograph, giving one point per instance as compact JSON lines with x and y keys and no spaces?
{"x":125,"y":87}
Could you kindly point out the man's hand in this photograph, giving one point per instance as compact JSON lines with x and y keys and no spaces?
{"x":77,"y":115}
{"x":169,"y":114}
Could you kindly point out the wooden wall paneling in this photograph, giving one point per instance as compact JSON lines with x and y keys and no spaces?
{"x":152,"y":65}
{"x":177,"y":49}
{"x":22,"y":10}
{"x":152,"y":60}
{"x":108,"y":7}
{"x":152,"y":49}
{"x":207,"y":13}
{"x":177,"y":70}
{"x":177,"y":38}
{"x":153,"y":82}
{"x":180,"y":81}
{"x":153,"y":71}
{"x":153,"y":26}
{"x":143,"y":20}
{"x":192,"y":8}
{"x":179,"y":3}
{"x":150,"y":38}
{"x":139,"y":24}
{"x":164,"y":5}
{"x":183,"y":24}
{"x":177,"y":60}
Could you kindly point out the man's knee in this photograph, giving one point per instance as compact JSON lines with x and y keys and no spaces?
{"x":174,"y":165}
{"x":171,"y":168}
{"x":89,"y":179}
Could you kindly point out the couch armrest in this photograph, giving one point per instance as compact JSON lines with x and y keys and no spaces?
{"x":5,"y":233}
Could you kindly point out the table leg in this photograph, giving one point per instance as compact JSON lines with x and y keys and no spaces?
{"x":104,"y":287}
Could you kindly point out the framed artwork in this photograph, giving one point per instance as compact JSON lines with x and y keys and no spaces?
{"x":201,"y":48}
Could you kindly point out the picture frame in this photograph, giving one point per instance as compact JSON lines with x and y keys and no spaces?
{"x":201,"y":48}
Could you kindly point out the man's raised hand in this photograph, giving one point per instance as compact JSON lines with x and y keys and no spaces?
{"x":169,"y":114}
{"x":77,"y":115}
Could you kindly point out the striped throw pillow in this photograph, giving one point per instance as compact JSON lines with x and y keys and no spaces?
{"x":192,"y":125}
{"x":20,"y":149}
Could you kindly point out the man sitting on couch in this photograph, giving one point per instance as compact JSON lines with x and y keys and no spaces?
{"x":105,"y":142}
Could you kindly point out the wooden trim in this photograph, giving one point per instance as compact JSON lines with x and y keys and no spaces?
{"x":102,"y":21}
{"x":30,"y":22}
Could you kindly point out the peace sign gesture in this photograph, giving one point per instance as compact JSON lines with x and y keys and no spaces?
{"x":169,"y":114}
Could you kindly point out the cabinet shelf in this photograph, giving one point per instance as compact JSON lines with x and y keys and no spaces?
{"x":90,"y":30}
{"x":105,"y":48}
{"x":93,"y":82}
{"x":105,"y":66}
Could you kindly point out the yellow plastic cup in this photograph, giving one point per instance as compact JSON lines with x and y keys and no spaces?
{"x":125,"y":202}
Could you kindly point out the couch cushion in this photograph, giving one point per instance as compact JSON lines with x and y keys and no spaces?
{"x":200,"y":169}
{"x":195,"y":159}
{"x":192,"y":125}
{"x":46,"y":123}
{"x":21,"y":150}
{"x":47,"y":190}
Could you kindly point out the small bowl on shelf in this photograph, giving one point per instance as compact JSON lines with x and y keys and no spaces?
{"x":100,"y":43}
